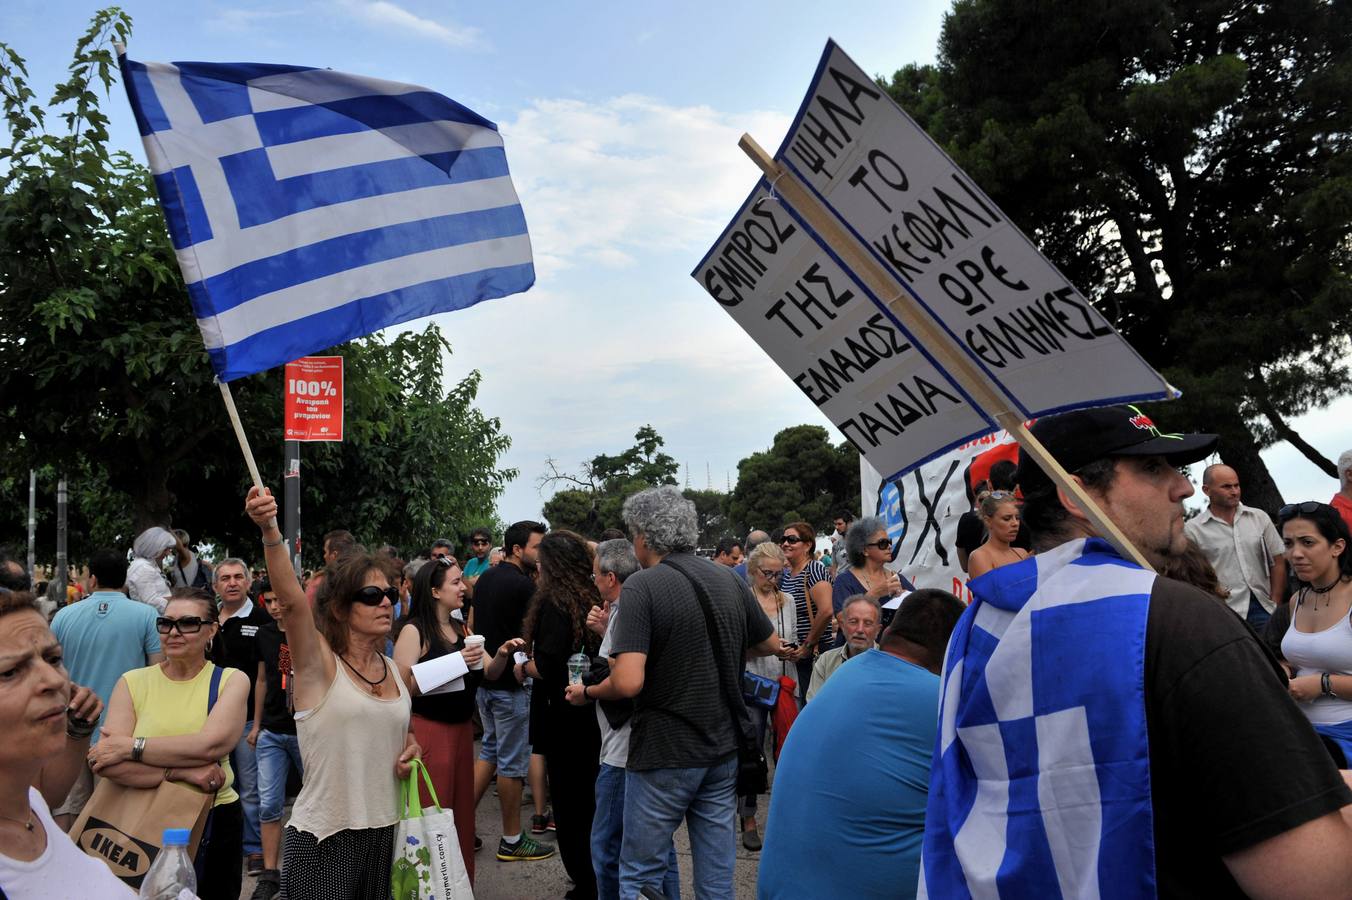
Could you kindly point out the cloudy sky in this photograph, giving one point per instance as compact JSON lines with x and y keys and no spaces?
{"x":621,"y":122}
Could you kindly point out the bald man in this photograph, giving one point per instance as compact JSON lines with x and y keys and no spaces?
{"x":1243,"y":546}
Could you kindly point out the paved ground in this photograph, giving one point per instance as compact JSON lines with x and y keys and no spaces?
{"x":546,"y":880}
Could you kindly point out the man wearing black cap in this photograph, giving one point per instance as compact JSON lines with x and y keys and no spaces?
{"x":1106,"y":731}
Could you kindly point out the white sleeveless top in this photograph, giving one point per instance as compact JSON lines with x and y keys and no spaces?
{"x":1329,"y":651}
{"x":62,"y":872}
{"x":349,"y":743}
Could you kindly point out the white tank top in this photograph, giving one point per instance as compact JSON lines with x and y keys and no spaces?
{"x":349,"y":743}
{"x":1329,"y":651}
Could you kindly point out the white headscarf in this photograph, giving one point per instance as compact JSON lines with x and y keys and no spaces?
{"x":150,"y":543}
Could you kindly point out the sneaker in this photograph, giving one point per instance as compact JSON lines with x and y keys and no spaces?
{"x":254,"y":866}
{"x":542,"y":823}
{"x":524,"y":850}
{"x":478,"y":843}
{"x":269,"y":883}
{"x":550,"y":826}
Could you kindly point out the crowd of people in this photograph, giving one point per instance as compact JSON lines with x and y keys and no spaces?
{"x":1084,"y":727}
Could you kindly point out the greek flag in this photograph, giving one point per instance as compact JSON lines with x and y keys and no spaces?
{"x":1040,"y":786}
{"x":308,"y":207}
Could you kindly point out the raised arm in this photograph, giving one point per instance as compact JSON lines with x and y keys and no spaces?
{"x":310,"y":656}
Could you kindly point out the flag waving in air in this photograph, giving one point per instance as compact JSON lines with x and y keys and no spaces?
{"x":308,"y":207}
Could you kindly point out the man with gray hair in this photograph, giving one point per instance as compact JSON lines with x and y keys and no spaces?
{"x":1342,"y":501}
{"x":753,"y":540}
{"x":612,"y":565}
{"x":860,"y":620}
{"x":688,"y":707}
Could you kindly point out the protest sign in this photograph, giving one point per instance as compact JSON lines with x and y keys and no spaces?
{"x":314,"y":399}
{"x":837,"y":344}
{"x":921,"y":509}
{"x":938,"y":236}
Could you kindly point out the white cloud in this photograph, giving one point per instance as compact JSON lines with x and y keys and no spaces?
{"x":236,"y":20}
{"x":385,"y":14}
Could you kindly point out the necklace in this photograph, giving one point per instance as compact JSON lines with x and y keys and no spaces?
{"x":28,"y":825}
{"x":1324,"y":590}
{"x":373,"y":685}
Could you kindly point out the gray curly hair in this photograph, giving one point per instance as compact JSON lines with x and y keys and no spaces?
{"x":856,"y":539}
{"x":665,"y":519}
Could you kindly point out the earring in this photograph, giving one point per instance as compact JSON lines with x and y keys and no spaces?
{"x":209,"y":643}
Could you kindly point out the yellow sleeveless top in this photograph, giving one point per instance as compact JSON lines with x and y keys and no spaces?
{"x":165,"y":708}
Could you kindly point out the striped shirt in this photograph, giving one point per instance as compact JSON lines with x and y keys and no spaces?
{"x":797,"y":587}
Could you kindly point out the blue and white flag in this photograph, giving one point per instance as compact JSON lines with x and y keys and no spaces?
{"x":1040,"y":786}
{"x":308,"y":207}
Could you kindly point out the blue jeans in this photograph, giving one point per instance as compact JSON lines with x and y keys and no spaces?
{"x":655,"y":802}
{"x":608,"y":833}
{"x":277,"y":754}
{"x":245,"y":765}
{"x":506,"y":720}
{"x":1257,"y":617}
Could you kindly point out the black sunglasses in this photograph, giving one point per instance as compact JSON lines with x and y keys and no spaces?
{"x":185,"y":625}
{"x":480,"y":542}
{"x":372,"y":595}
{"x":791,"y":539}
{"x":882,"y":544}
{"x":1307,"y":507}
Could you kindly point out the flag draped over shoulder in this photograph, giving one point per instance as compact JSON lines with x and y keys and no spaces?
{"x":308,"y":207}
{"x":1040,"y":786}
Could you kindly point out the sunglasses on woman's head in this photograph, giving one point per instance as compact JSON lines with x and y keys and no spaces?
{"x":445,"y":561}
{"x":372,"y":595}
{"x":185,"y":625}
{"x":791,"y":539}
{"x":1001,"y":495}
{"x":1306,"y":508}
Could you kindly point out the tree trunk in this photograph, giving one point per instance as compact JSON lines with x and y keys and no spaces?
{"x":152,"y":500}
{"x":1293,"y":438}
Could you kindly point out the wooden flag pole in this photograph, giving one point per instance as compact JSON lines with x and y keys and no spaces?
{"x":975,"y":382}
{"x":243,"y":438}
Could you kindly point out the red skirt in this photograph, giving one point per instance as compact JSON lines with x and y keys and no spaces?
{"x":448,"y":753}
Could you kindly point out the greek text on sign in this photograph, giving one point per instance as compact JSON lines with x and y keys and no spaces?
{"x":947,"y":243}
{"x":837,"y":343}
{"x":314,"y":399}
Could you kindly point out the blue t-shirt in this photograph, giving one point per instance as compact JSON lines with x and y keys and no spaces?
{"x":856,"y":768}
{"x":104,"y":636}
{"x":474,"y":567}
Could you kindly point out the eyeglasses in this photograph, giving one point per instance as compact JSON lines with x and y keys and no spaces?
{"x":372,"y":595}
{"x":446,"y":561}
{"x":881,"y":544}
{"x":480,"y":542}
{"x":791,"y":539}
{"x":770,"y":574}
{"x":186,"y":625}
{"x":1307,"y":507}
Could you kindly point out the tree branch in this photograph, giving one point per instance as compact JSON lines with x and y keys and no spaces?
{"x":1289,"y":435}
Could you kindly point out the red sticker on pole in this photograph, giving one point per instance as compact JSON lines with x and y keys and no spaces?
{"x":314,"y":399}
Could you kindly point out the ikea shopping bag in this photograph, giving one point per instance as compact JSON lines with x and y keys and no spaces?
{"x":427,"y":862}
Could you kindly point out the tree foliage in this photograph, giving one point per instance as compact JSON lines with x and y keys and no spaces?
{"x":103,"y":371}
{"x":592,"y":500}
{"x":1186,"y":163}
{"x":802,"y":477}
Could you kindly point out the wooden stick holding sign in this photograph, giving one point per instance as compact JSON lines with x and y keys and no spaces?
{"x":940,"y":346}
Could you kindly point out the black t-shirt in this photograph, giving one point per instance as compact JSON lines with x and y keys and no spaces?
{"x":275,"y":655}
{"x":552,"y":718}
{"x":1233,"y":760}
{"x":236,"y":646}
{"x":501,"y":596}
{"x":451,"y":707}
{"x":681,"y":718}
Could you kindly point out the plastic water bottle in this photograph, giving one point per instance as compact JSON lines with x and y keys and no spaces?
{"x":171,"y":874}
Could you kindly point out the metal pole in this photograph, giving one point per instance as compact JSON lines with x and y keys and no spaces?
{"x":62,"y":569}
{"x":291,"y":503}
{"x":32,"y":525}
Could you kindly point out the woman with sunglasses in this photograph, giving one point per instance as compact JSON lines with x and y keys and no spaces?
{"x":352,"y":720}
{"x":809,"y":584}
{"x":1000,"y":514}
{"x":867,"y":551}
{"x":1318,"y":644}
{"x":441,"y":722}
{"x":159,"y":728}
{"x":765,"y":565}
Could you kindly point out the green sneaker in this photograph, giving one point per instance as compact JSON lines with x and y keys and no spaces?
{"x":524,"y":850}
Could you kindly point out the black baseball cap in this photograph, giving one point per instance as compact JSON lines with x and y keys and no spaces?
{"x":1078,"y":438}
